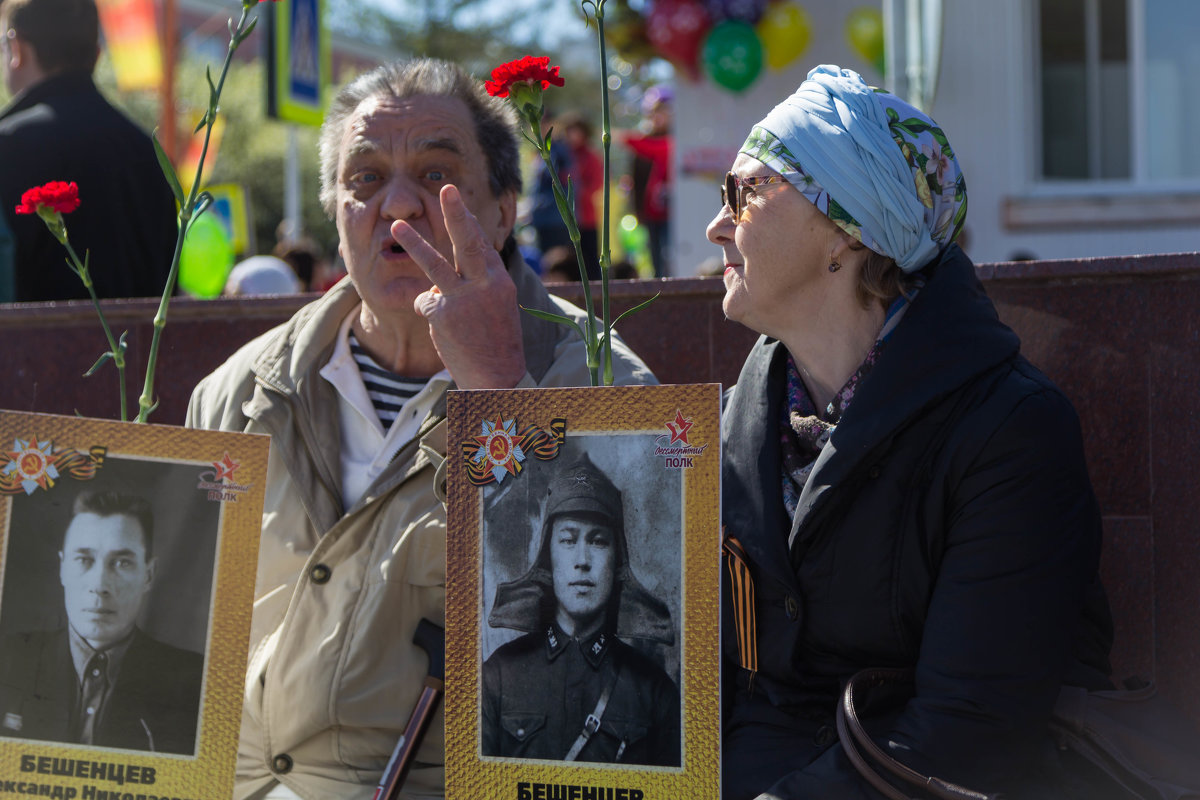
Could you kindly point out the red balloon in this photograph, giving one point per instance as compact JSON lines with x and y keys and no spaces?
{"x":677,"y":28}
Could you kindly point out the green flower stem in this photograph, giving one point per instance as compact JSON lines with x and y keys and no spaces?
{"x":606,"y":142}
{"x":115,"y":351}
{"x":533,"y":118}
{"x":146,"y":402}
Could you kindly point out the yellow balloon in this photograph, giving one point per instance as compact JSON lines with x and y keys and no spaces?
{"x":785,"y":31}
{"x":864,"y":32}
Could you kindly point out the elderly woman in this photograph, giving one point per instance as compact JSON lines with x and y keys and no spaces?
{"x":901,"y":487}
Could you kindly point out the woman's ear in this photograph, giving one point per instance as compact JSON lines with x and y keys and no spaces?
{"x":847,"y":250}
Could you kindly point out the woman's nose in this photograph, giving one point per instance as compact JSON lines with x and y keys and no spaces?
{"x":720,"y":229}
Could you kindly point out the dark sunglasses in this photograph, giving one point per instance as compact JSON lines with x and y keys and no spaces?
{"x":733,"y":191}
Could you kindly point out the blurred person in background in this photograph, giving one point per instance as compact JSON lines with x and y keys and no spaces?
{"x":7,"y":288}
{"x":544,"y":216}
{"x":587,"y":180}
{"x":58,"y":127}
{"x":262,"y":275}
{"x":651,"y":171}
{"x":305,"y":258}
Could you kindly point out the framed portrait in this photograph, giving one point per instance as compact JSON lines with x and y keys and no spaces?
{"x":127,"y":563}
{"x":583,"y":555}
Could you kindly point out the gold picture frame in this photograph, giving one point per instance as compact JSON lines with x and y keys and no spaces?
{"x":643,"y":461}
{"x":168,"y":722}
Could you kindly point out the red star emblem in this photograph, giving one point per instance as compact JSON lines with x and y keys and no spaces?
{"x":679,"y":428}
{"x":224,"y":469}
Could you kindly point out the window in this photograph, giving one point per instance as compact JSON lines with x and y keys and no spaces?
{"x":1117,"y":81}
{"x":1172,"y":114}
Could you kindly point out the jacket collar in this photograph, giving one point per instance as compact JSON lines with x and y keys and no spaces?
{"x":593,"y":649}
{"x":951,"y":334}
{"x":307,"y":341}
{"x":539,"y":337}
{"x":60,"y":85}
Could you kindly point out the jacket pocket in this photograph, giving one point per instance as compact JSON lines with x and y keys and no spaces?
{"x":522,"y":727}
{"x":626,"y":731}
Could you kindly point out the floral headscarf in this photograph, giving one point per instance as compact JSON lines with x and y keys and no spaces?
{"x":875,"y":165}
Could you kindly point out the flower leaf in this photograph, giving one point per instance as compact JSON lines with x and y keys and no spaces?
{"x":634,"y":310}
{"x":559,"y":318}
{"x":202,"y":203}
{"x":249,"y":28}
{"x":164,"y":164}
{"x":213,"y":94}
{"x":105,"y":356}
{"x":200,"y":125}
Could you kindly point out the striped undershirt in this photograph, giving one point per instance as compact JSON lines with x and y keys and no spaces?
{"x":387,"y":390}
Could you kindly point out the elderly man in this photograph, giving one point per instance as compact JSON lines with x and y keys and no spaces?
{"x":102,"y":681}
{"x":570,"y":689}
{"x":420,"y":172}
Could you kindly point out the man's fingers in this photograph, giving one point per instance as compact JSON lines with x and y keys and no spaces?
{"x":440,"y":271}
{"x":427,"y":302}
{"x":471,"y":247}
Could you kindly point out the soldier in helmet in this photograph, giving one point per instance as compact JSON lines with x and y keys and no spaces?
{"x":571,"y":688}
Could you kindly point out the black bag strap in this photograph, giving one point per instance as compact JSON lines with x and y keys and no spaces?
{"x":856,"y":742}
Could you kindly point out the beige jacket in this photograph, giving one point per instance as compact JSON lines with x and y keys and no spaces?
{"x":333,"y":675}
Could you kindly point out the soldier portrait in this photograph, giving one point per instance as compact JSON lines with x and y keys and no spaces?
{"x":105,"y":608}
{"x":581,"y":659}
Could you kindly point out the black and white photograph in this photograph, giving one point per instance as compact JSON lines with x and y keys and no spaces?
{"x":581,"y":588}
{"x":105,"y":608}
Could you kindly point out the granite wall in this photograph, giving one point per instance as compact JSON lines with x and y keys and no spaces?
{"x":1121,"y":336}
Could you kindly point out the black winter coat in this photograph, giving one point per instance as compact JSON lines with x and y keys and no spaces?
{"x":949,"y":525}
{"x":62,"y":129}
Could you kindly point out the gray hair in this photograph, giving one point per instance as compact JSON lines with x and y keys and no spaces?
{"x":495,"y":119}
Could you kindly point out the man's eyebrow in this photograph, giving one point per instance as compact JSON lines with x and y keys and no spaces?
{"x":445,"y":143}
{"x":361,"y":148}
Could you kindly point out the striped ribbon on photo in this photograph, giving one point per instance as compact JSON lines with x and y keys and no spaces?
{"x":542,"y":444}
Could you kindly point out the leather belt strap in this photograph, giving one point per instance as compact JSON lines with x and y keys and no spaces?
{"x":592,"y":723}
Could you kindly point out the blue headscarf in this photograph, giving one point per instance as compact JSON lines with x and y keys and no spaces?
{"x":875,"y":165}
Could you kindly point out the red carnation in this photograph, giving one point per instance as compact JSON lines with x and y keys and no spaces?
{"x":532,"y":70}
{"x":57,"y":196}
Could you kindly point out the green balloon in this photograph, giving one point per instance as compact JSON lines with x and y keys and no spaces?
{"x":733,"y":55}
{"x":206,"y":258}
